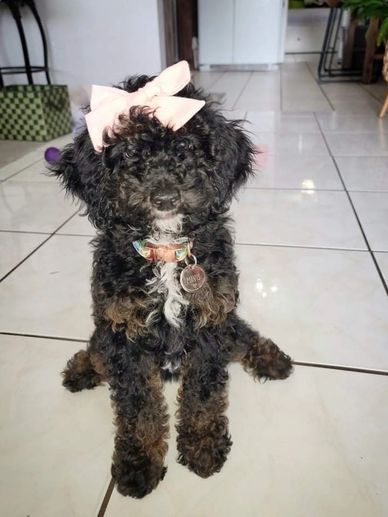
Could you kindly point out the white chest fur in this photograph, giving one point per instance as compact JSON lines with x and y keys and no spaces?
{"x":166,"y":282}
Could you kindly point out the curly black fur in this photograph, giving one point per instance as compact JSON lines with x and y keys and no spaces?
{"x":203,"y":163}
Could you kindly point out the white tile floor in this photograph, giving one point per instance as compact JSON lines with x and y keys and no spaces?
{"x":306,"y":228}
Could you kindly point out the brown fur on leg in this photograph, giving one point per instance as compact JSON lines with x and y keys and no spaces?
{"x":152,"y":427}
{"x":130,"y":312}
{"x":214,"y":301}
{"x":83,"y":371}
{"x":140,"y":442}
{"x":258,"y":355}
{"x":265,"y":360}
{"x":203,"y":438}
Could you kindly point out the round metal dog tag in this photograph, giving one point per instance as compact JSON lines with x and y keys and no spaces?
{"x":192,"y":278}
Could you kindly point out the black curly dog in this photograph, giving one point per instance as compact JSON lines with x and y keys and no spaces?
{"x":155,"y":184}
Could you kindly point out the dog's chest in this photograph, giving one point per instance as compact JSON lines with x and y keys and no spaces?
{"x":164,"y":286}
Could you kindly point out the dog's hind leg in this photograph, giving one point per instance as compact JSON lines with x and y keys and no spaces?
{"x":258,"y":355}
{"x":83,"y":371}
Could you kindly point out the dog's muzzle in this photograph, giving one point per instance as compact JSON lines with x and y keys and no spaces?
{"x":165,"y":200}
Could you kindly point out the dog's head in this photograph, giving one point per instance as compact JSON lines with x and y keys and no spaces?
{"x":149,"y":172}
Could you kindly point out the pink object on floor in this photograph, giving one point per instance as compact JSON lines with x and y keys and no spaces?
{"x":261,"y":156}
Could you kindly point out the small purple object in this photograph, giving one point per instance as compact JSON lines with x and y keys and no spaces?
{"x":51,"y":155}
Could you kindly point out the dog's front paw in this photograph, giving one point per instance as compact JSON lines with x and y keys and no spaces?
{"x":80,"y":374}
{"x":265,"y":360}
{"x":137,"y":476}
{"x":204,"y":455}
{"x":74,"y":382}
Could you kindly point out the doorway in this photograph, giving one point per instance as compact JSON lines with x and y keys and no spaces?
{"x":237,"y":34}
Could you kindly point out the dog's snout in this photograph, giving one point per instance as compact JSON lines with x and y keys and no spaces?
{"x":165,"y":199}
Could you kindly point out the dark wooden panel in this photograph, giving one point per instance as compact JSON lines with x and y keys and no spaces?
{"x":186,"y":22}
{"x":170,"y":31}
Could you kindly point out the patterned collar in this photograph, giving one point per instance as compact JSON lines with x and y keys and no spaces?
{"x":163,"y":252}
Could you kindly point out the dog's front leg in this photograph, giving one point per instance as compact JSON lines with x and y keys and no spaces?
{"x":214,"y":301}
{"x":258,"y":355}
{"x":203,"y":438}
{"x":85,"y":370}
{"x":141,"y":416}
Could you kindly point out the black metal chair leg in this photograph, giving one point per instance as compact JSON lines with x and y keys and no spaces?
{"x":327,"y":71}
{"x":340,"y":11}
{"x":31,"y":5}
{"x":14,"y":8}
{"x":325,"y":45}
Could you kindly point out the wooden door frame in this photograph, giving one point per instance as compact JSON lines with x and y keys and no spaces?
{"x":168,"y":26}
{"x":186,"y":28}
{"x":178,"y":27}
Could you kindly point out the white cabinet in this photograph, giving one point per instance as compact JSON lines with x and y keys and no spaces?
{"x":241,"y":32}
{"x":215,"y":20}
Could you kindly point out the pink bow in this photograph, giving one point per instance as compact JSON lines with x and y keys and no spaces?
{"x":107,"y":103}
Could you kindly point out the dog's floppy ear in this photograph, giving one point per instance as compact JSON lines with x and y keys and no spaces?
{"x":243,"y":156}
{"x":233,"y":153}
{"x":66,"y":170}
{"x":79,"y":168}
{"x":81,"y":171}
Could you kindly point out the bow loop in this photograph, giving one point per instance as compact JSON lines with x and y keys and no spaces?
{"x":173,"y":78}
{"x":107,"y":104}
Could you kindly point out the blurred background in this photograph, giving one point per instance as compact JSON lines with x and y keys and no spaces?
{"x":306,"y":79}
{"x":94,"y":42}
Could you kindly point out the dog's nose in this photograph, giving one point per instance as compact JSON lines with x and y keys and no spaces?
{"x":165,"y":200}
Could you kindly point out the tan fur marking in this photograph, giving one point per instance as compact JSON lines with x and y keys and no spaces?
{"x":213,"y":302}
{"x":151,"y":429}
{"x":129,"y":311}
{"x":203,"y":439}
{"x":98,"y":366}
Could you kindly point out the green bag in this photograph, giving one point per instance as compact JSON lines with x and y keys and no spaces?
{"x":36,"y":112}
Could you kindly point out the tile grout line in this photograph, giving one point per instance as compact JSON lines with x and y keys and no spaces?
{"x":242,"y":91}
{"x":300,"y":189}
{"x":215,"y":81}
{"x":379,"y":101}
{"x":320,"y":87}
{"x":328,"y":366}
{"x":41,"y":336}
{"x":296,"y":246}
{"x":105,"y":501}
{"x":25,"y":231}
{"x":48,"y":233}
{"x":89,"y":235}
{"x":38,"y":247}
{"x":21,"y":170}
{"x":338,"y":133}
{"x":379,"y":272}
{"x":312,"y":364}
